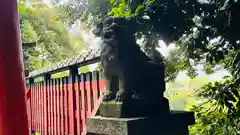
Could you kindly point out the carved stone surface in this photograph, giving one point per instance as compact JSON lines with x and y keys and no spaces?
{"x":175,"y":123}
{"x":134,"y":108}
{"x":131,"y":77}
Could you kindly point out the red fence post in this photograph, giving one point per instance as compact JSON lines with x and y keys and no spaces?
{"x":33,"y":106}
{"x":83,"y":101}
{"x":47,"y":77}
{"x":42,"y":106}
{"x":13,"y":110}
{"x":95,"y":87}
{"x":37,"y":105}
{"x":31,"y":83}
{"x":54,"y":106}
{"x":65,"y":100}
{"x":51,"y":107}
{"x":62,"y":106}
{"x":58,"y":106}
{"x":78,"y":105}
{"x":71,"y":99}
{"x":89,"y":93}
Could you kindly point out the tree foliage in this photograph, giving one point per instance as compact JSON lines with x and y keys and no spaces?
{"x":204,"y":32}
{"x":48,"y":28}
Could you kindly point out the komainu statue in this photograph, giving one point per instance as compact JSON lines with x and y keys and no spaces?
{"x":131,"y":77}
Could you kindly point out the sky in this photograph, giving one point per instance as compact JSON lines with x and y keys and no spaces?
{"x":164,"y":50}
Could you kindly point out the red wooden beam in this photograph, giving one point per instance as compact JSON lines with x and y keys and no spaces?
{"x":13,"y":114}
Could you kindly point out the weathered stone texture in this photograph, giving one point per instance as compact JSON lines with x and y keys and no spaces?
{"x":175,"y":123}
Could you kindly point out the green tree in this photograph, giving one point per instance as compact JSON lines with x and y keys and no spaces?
{"x":47,"y":27}
{"x":205,"y":32}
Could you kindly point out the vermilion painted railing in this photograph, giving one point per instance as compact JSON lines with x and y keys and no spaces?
{"x":61,"y":106}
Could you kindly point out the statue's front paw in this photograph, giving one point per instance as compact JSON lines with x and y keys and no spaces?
{"x":119,"y":96}
{"x":107,"y":96}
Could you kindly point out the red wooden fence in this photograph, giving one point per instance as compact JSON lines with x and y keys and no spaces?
{"x":61,"y":106}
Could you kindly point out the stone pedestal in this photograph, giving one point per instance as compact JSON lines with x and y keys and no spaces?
{"x":133,"y":108}
{"x":174,"y":123}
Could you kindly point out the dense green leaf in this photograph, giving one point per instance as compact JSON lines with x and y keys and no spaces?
{"x":46,"y":27}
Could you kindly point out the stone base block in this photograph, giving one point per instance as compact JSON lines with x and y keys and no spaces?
{"x":174,"y":123}
{"x":133,"y":108}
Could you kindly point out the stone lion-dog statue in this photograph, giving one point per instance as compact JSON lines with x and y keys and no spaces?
{"x":128,"y":72}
